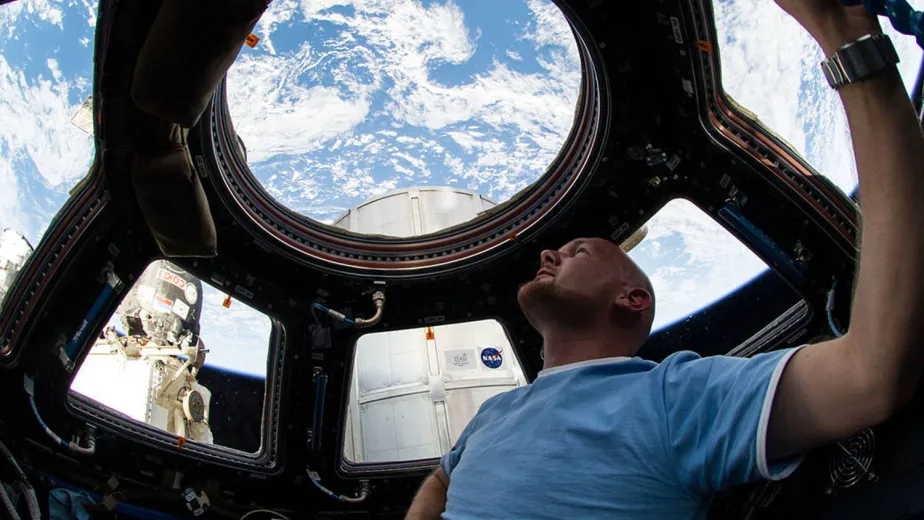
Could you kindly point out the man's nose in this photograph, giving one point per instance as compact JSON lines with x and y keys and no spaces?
{"x":549,"y":257}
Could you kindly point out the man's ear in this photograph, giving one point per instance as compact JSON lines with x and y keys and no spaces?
{"x":634,"y":300}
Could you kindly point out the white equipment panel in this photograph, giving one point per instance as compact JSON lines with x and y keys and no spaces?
{"x":414,"y":391}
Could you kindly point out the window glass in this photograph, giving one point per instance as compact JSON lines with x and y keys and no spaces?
{"x":46,"y":75}
{"x":413,"y":391}
{"x":342,"y":101}
{"x":770,"y":65}
{"x":175,"y":357}
{"x":692,"y":261}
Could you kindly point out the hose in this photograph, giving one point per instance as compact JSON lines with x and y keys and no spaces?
{"x":73,"y":447}
{"x":8,"y":505}
{"x":378,"y":298}
{"x":363,"y":489}
{"x":24,"y":488}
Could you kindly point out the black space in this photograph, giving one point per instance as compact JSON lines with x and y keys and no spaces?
{"x":236,"y":412}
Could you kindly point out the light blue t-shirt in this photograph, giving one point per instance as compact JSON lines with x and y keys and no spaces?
{"x":618,"y":438}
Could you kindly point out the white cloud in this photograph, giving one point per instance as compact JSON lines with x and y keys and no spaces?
{"x":35,"y":114}
{"x":55,"y":70}
{"x":513,"y":55}
{"x":279,"y":12}
{"x":44,"y":10}
{"x":511,"y":124}
{"x":691,"y":260}
{"x":770,"y":66}
{"x":237,"y":336}
{"x":275,"y":113}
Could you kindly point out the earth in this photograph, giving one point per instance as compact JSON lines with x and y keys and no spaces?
{"x":344,"y":100}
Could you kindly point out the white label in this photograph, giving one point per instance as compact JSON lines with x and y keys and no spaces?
{"x":180,"y":309}
{"x":460,"y":359}
{"x":675,"y":25}
{"x":192,"y":294}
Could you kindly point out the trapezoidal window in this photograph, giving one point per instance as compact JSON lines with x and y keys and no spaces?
{"x":412,"y":392}
{"x":400,"y":117}
{"x":182,"y":357}
{"x":712,"y":292}
{"x":770,"y":67}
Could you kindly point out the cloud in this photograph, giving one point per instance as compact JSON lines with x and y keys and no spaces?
{"x":35,"y":114}
{"x":394,"y":64}
{"x":237,"y":337}
{"x":770,"y":66}
{"x":43,"y":10}
{"x":691,"y":260}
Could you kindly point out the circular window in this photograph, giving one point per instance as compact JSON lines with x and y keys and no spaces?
{"x":391,"y":124}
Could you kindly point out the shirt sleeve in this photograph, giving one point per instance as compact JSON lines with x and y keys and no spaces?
{"x":451,"y":458}
{"x":717,"y":411}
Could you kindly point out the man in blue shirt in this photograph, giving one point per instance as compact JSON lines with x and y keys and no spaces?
{"x":603,"y":434}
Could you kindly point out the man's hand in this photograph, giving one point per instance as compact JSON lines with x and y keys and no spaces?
{"x":836,"y":388}
{"x":430,"y":501}
{"x":830,"y":23}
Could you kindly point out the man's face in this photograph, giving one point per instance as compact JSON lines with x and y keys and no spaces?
{"x":582,"y":282}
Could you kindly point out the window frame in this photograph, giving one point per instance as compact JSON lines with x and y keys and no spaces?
{"x":265,"y":460}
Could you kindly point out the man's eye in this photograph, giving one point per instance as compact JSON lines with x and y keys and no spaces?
{"x":581,"y":251}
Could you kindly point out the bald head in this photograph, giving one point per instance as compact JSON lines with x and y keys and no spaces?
{"x":590,"y":283}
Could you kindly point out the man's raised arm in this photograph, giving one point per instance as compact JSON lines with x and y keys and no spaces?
{"x":430,"y":501}
{"x":834,"y":389}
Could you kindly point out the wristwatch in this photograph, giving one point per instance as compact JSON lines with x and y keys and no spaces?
{"x":859,"y":59}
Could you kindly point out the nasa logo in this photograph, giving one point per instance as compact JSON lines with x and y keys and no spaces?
{"x":491,"y":357}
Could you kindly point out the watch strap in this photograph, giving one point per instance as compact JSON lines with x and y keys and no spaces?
{"x":859,"y":59}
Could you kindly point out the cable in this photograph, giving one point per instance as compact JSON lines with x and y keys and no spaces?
{"x":267,"y":511}
{"x":317,"y":422}
{"x":25,"y":488}
{"x":829,"y":308}
{"x":8,"y":505}
{"x":73,"y":447}
{"x":378,"y":299}
{"x":363,"y":489}
{"x":334,"y":314}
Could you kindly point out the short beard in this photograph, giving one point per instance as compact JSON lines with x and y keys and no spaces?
{"x":544,"y":303}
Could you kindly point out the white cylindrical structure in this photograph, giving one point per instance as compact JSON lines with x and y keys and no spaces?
{"x":414,"y":391}
{"x":414,"y":211}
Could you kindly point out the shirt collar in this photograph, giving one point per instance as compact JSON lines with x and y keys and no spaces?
{"x":580,"y":364}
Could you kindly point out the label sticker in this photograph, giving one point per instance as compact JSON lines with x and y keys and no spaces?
{"x":145,"y":294}
{"x":192,"y":294}
{"x":491,"y":357}
{"x":460,"y":359}
{"x":180,"y":309}
{"x":251,"y":40}
{"x":675,"y":25}
{"x":162,"y":304}
{"x":172,"y":278}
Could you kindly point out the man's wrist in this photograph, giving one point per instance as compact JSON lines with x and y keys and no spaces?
{"x":834,"y":35}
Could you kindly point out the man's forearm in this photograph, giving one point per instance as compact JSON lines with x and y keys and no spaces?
{"x":430,"y":501}
{"x":888,"y":304}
